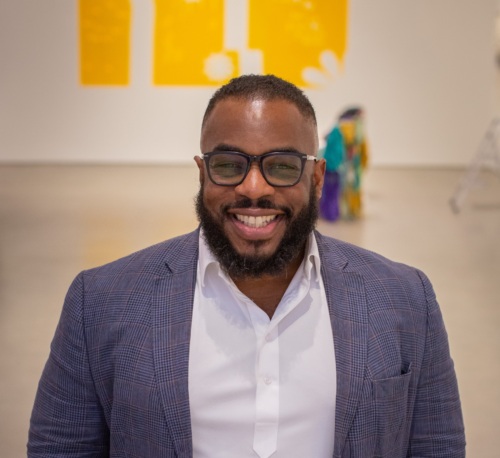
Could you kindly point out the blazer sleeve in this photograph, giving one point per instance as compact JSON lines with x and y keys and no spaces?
{"x":67,"y":418}
{"x":437,"y":428}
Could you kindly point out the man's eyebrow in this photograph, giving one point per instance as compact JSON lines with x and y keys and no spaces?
{"x":286,"y":149}
{"x":228,"y":147}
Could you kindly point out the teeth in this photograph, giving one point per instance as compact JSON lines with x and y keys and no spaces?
{"x":255,"y":221}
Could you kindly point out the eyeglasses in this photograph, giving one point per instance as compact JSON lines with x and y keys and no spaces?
{"x":279,"y":168}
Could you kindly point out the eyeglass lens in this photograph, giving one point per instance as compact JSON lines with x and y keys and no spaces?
{"x":278,"y":170}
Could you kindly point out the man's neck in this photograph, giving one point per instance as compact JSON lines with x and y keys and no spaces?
{"x":266,"y":291}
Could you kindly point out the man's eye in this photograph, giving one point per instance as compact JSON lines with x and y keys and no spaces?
{"x":282,"y":166}
{"x":227,"y":168}
{"x":226,"y":165}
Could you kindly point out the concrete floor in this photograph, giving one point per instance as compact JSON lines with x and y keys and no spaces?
{"x":58,"y":220}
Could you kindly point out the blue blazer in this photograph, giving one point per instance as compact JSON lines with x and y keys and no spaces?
{"x":116,"y":381}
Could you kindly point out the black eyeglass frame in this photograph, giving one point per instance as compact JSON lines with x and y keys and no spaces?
{"x":253,"y":158}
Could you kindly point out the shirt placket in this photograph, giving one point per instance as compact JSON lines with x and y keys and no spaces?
{"x":267,"y":395}
{"x":267,"y":371}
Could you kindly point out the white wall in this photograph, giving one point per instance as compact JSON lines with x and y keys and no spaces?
{"x":423,"y":70}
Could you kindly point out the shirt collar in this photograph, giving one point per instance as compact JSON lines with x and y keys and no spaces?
{"x":207,"y":261}
{"x":312,"y":259}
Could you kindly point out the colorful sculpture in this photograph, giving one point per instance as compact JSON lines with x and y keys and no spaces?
{"x":346,"y":155}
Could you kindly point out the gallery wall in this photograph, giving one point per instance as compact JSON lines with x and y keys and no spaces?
{"x":423,"y":70}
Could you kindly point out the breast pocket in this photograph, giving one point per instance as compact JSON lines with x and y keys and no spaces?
{"x":390,"y":397}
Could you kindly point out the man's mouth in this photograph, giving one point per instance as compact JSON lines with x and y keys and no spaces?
{"x":255,"y":221}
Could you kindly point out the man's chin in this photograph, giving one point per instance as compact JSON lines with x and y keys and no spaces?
{"x":256,"y":252}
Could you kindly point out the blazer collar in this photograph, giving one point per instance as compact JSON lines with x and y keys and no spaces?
{"x":172,"y":308}
{"x":345,"y":292}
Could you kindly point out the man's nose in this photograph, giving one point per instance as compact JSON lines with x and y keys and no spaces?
{"x":254,"y":186}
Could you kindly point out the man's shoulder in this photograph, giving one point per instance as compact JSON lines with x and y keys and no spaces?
{"x":383,"y":278}
{"x":176,"y":254}
{"x":348,"y":257}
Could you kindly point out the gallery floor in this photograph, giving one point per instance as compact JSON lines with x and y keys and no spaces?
{"x":58,"y":220}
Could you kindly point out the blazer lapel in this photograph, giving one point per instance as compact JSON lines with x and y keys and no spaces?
{"x":345,"y":293}
{"x":172,"y":313}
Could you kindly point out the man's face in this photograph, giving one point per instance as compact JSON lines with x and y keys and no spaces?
{"x":255,"y":217}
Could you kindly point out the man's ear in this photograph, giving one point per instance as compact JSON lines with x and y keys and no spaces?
{"x":319,"y":177}
{"x":201,"y":168}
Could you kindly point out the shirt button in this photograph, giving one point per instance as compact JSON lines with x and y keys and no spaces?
{"x":268,"y":338}
{"x":267,"y":380}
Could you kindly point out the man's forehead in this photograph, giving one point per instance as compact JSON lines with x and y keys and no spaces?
{"x":254,"y":108}
{"x":258,"y":125}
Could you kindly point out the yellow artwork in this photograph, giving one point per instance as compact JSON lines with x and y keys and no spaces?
{"x":188,"y":44}
{"x":208,"y":42}
{"x":105,"y":42}
{"x":298,"y":35}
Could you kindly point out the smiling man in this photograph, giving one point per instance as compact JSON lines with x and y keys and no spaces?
{"x":254,"y":336}
{"x":260,"y":184}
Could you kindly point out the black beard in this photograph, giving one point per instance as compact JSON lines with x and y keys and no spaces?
{"x":291,"y":247}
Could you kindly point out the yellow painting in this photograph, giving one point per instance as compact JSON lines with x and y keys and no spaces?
{"x":298,"y":35}
{"x":208,"y":42}
{"x":188,"y":44}
{"x":105,"y":42}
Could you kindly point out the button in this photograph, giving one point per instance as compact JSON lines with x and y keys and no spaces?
{"x":269,"y":338}
{"x":268,"y":380}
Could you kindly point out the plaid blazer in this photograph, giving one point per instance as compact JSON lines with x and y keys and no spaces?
{"x":116,"y":381}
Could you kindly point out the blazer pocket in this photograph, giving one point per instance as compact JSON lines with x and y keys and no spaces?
{"x":391,"y":404}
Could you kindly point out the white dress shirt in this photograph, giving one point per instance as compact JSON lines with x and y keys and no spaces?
{"x":261,"y":387}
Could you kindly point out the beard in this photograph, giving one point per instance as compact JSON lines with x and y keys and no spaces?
{"x":290,"y":248}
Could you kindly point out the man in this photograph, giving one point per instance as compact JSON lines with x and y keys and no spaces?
{"x":254,"y":336}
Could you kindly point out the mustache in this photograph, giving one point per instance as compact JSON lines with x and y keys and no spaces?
{"x":262,"y":203}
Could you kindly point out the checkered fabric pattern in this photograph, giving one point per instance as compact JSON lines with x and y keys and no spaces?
{"x":116,"y":381}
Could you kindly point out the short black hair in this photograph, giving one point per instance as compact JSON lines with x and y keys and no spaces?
{"x":266,"y":87}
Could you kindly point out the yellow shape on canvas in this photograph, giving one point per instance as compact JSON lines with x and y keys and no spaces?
{"x":188,"y":44}
{"x":105,"y":42}
{"x":293,"y":34}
